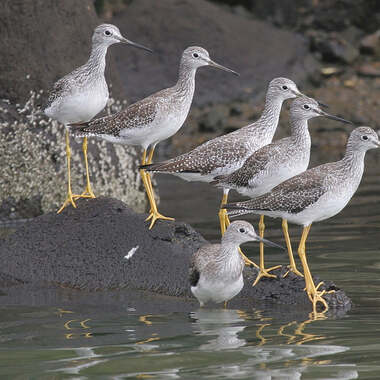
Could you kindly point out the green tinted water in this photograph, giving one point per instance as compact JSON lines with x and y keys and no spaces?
{"x":67,"y":334}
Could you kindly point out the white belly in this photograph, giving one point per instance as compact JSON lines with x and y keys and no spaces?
{"x":217,"y":291}
{"x":161,"y":128}
{"x":326,"y":207}
{"x":265,"y":182}
{"x":79,"y":107}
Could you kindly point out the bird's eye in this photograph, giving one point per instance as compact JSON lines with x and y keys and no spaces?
{"x":242,"y":230}
{"x":306,"y":107}
{"x":107,"y":33}
{"x":364,"y":137}
{"x":195,"y":55}
{"x":284,"y":87}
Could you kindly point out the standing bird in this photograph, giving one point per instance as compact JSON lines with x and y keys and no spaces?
{"x":275,"y":163}
{"x":216,"y":270}
{"x":225,"y":154}
{"x":315,"y":195}
{"x":153,"y":119}
{"x":83,"y":93}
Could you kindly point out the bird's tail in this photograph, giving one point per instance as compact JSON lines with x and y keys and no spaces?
{"x":219,"y":180}
{"x":237,"y":209}
{"x":169,"y":166}
{"x":79,"y":129}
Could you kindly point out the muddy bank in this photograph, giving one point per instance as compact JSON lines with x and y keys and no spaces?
{"x":104,"y":245}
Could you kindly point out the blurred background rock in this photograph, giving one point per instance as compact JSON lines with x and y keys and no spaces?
{"x":331,"y":48}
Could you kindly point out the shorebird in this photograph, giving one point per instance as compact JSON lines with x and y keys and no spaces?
{"x":83,"y":93}
{"x":225,"y":154}
{"x":216,"y":270}
{"x":274,"y":163}
{"x":154,"y":118}
{"x":315,"y":195}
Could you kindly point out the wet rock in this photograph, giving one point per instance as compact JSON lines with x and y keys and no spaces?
{"x":104,"y":245}
{"x":370,"y":44}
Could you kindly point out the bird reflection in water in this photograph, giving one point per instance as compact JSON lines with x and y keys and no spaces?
{"x":75,"y":324}
{"x":224,"y":324}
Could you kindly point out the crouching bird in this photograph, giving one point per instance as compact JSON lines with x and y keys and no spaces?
{"x":216,"y":270}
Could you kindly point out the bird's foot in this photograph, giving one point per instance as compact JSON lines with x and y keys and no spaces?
{"x":294,"y":270}
{"x":155,"y":215}
{"x":265,"y":273}
{"x":69,"y":200}
{"x":316,"y":296}
{"x":86,"y":194}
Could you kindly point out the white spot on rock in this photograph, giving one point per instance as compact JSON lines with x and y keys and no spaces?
{"x":131,"y":252}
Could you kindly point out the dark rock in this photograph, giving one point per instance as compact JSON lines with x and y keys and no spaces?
{"x":334,"y":48}
{"x":86,"y":249}
{"x":329,"y":15}
{"x":255,"y":49}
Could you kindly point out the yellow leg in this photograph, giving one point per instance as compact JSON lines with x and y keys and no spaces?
{"x":88,"y":191}
{"x":292,"y":267}
{"x":225,"y":222}
{"x":259,"y":334}
{"x":314,"y":295}
{"x":262,"y":271}
{"x":153,"y":213}
{"x":70,"y":196}
{"x":225,"y":304}
{"x":223,"y":214}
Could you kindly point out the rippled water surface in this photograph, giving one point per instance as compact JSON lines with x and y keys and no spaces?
{"x":66,"y":334}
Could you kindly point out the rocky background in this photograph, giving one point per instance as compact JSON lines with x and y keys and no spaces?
{"x":331,"y":48}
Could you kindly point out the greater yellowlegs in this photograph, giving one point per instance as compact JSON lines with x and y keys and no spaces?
{"x":216,"y":270}
{"x":83,"y":93}
{"x":154,"y":118}
{"x":315,"y":195}
{"x":275,"y":163}
{"x":227,"y":153}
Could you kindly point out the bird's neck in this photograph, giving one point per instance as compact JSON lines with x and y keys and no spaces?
{"x":353,"y":159}
{"x":300,"y":132}
{"x":229,"y":247}
{"x":268,"y":120}
{"x":186,"y":80}
{"x":97,"y":60}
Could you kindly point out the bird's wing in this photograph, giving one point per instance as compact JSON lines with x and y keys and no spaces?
{"x":137,"y":115}
{"x":213,"y":154}
{"x":199,"y":261}
{"x":254,"y":164}
{"x":292,"y":195}
{"x":60,"y":87}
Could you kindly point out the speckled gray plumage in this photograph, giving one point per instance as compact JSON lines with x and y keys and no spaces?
{"x":331,"y":185}
{"x":137,"y":115}
{"x":151,"y":119}
{"x":212,"y":260}
{"x":278,"y":161}
{"x":86,"y":75}
{"x":81,"y":94}
{"x":228,"y":152}
{"x":291,"y":196}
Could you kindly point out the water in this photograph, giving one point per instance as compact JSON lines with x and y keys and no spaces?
{"x":64,"y":334}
